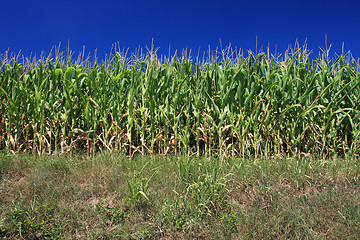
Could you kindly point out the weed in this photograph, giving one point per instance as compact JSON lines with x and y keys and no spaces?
{"x":31,"y":223}
{"x":179,"y":215}
{"x":138,"y":190}
{"x":114,"y":214}
{"x":229,"y":220}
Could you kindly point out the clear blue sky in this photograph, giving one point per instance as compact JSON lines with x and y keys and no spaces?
{"x":35,"y":26}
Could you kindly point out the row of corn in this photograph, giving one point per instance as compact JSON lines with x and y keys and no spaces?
{"x":226,"y":104}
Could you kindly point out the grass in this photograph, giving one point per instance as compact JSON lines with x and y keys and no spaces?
{"x":110,"y":196}
{"x":148,"y":147}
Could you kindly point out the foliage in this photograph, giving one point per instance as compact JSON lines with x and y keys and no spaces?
{"x":38,"y":223}
{"x":226,"y":105}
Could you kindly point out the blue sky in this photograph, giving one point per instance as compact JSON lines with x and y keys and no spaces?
{"x":35,"y":26}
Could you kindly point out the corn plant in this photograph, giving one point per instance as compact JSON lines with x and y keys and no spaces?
{"x":227,"y":104}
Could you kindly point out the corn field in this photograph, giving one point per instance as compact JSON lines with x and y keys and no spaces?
{"x":223,"y":104}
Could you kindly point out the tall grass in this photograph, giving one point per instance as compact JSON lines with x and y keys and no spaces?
{"x":225,"y":104}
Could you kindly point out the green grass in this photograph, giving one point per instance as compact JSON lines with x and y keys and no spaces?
{"x":110,"y":196}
